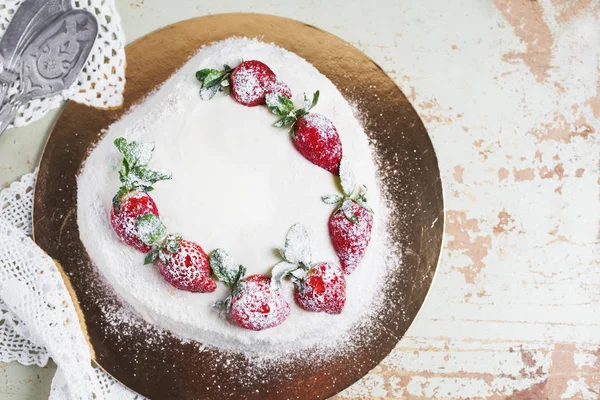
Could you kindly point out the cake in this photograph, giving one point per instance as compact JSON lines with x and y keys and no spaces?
{"x":238,"y":183}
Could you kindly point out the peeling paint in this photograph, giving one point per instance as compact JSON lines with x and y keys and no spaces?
{"x":527,"y":21}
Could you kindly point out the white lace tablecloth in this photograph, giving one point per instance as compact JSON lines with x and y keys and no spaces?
{"x":39,"y":320}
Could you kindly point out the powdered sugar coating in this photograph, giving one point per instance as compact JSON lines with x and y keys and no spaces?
{"x":256,"y":306}
{"x":323,"y":289}
{"x":188,"y":269}
{"x":246,"y":185}
{"x":316,"y":138}
{"x":252,"y":80}
{"x":132,"y":207}
{"x":350,"y":239}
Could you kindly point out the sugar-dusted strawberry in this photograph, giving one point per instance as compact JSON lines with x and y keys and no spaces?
{"x":350,"y":231}
{"x":132,"y":200}
{"x":124,"y":218}
{"x":318,"y":287}
{"x":313,"y":135}
{"x":181,"y":263}
{"x":323,"y":289}
{"x":249,"y":82}
{"x":253,"y":303}
{"x":351,"y":223}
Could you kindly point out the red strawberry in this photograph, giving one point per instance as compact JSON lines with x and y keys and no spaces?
{"x":318,"y":141}
{"x":249,"y":82}
{"x":131,"y":201}
{"x":313,"y":135}
{"x":318,"y":287}
{"x":253,"y":304}
{"x":188,"y":268}
{"x":323,"y":289}
{"x":351,"y":223}
{"x":182,"y":263}
{"x":132,"y":206}
{"x":279,"y":87}
{"x":350,"y":235}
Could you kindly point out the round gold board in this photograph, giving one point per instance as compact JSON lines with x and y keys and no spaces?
{"x":172,"y":368}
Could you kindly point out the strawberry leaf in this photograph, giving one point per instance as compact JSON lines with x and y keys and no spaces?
{"x":134,"y":172}
{"x":285,"y":121}
{"x":164,"y":258}
{"x":152,"y":256}
{"x":151,"y":230}
{"x":331,"y":199}
{"x":225,"y":269}
{"x":136,"y":154}
{"x":212,"y":79}
{"x":279,"y":104}
{"x":223,"y":305}
{"x":309,"y":105}
{"x":346,"y":208}
{"x":172,"y":243}
{"x":297,"y":246}
{"x":116,"y":201}
{"x":280,"y":271}
{"x":203,"y":73}
{"x":207,"y":93}
{"x":347,"y":179}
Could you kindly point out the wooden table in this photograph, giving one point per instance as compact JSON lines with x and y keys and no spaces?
{"x":510,"y":93}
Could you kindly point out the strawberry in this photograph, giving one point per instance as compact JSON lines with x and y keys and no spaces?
{"x":249,"y":82}
{"x":124,"y":218}
{"x":350,"y":232}
{"x":181,"y":263}
{"x":313,"y":135}
{"x":323,"y":289}
{"x":132,"y":200}
{"x":351,"y":223}
{"x":253,"y":303}
{"x":319,"y":287}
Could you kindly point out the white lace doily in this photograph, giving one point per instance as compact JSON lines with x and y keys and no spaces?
{"x":38,"y":318}
{"x":102,"y":80}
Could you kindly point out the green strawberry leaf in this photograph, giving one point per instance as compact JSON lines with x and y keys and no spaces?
{"x":225,"y":269}
{"x":207,"y":93}
{"x":288,"y":120}
{"x":309,"y":105}
{"x":203,"y":73}
{"x":279,"y":104}
{"x":116,"y":201}
{"x":346,"y":208}
{"x":151,"y":230}
{"x":331,"y":199}
{"x":134,"y":172}
{"x":280,"y":271}
{"x":152,"y":256}
{"x":172,"y":243}
{"x":223,"y":305}
{"x":212,"y":78}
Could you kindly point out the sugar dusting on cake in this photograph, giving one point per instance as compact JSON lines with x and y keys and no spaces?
{"x":275,"y":187}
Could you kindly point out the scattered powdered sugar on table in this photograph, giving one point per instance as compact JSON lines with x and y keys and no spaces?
{"x":238,"y":184}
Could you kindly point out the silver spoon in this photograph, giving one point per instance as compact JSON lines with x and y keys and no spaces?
{"x":29,"y":20}
{"x":52,"y":61}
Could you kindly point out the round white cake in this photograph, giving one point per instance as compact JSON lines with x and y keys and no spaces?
{"x":238,"y":184}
